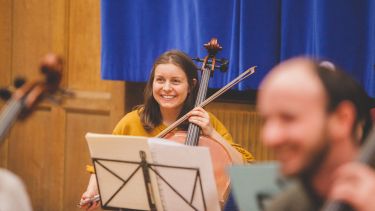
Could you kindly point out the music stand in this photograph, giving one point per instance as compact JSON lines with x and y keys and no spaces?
{"x":142,"y":176}
{"x":254,"y":185}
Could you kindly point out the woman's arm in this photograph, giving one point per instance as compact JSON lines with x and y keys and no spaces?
{"x":91,"y":191}
{"x":202,"y":118}
{"x":234,"y":154}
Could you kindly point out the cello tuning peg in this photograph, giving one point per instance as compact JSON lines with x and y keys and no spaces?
{"x":223,"y":61}
{"x":224,"y":68}
{"x":224,"y":65}
{"x":19,"y":81}
{"x":197,"y":59}
{"x":5,"y":94}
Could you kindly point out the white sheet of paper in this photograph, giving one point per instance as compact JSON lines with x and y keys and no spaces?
{"x":183,"y":180}
{"x":125,"y":148}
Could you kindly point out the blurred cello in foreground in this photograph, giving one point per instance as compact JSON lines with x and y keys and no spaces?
{"x":28,"y":94}
{"x":20,"y":105}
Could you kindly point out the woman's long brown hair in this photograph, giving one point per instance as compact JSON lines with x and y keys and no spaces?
{"x":150,"y":112}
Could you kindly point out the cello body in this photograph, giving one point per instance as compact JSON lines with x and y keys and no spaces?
{"x":219,"y":156}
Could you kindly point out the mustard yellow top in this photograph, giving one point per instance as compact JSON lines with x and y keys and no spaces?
{"x":131,"y":124}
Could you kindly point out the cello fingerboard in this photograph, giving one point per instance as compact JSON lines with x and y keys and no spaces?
{"x":193,"y":133}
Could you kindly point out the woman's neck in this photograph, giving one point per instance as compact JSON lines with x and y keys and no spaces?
{"x":169,"y":115}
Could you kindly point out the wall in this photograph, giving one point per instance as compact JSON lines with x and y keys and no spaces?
{"x":48,"y":150}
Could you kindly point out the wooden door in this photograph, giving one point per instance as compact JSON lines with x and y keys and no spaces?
{"x":48,"y":150}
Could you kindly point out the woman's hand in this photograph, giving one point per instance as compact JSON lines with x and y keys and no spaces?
{"x":91,"y":192}
{"x":201,"y":118}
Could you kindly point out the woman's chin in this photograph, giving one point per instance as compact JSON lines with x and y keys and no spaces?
{"x":169,"y":106}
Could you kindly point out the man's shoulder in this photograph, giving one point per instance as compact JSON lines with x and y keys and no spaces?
{"x":13,"y":195}
{"x":12,"y":179}
{"x":294,"y":198}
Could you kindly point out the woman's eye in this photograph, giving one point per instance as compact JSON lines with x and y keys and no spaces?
{"x":159,"y":80}
{"x":176,"y":81}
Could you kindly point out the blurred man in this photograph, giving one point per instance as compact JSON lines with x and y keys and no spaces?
{"x":315,"y":119}
{"x":13,"y":195}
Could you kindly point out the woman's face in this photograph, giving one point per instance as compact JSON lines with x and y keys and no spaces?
{"x":170,"y":87}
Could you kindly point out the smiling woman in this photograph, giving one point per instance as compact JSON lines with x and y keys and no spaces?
{"x":169,"y":94}
{"x":170,"y":89}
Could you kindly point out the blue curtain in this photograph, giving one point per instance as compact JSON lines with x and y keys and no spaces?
{"x":252,"y":32}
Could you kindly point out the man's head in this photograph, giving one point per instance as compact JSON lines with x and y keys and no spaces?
{"x":309,"y":111}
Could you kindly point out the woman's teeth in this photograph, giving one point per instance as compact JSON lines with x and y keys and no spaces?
{"x":167,"y":96}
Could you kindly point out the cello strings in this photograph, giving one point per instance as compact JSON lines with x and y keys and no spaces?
{"x":193,"y":130}
{"x":235,"y":81}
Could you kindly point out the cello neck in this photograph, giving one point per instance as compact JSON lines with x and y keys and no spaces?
{"x":194,"y":130}
{"x":209,"y":64}
{"x":8,"y":116}
{"x":27,"y":96}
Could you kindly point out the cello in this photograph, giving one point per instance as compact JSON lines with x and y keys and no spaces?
{"x":219,"y":154}
{"x":26,"y":97}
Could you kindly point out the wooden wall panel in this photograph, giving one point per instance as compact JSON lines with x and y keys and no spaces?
{"x":84,"y":46}
{"x":59,"y":30}
{"x":5,"y":41}
{"x":56,"y":161}
{"x":32,"y":36}
{"x":36,"y":154}
{"x":5,"y":60}
{"x":33,"y":157}
{"x":244,"y":124}
{"x":76,"y":178}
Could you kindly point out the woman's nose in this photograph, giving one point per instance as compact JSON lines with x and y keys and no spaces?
{"x":167,"y":86}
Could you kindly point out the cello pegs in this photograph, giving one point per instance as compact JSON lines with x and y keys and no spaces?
{"x":224,"y":64}
{"x":5,"y":94}
{"x":197,"y":59}
{"x":19,"y":81}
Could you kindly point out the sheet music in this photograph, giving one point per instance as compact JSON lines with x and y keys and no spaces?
{"x":133,"y":195}
{"x":188,"y":170}
{"x":183,"y":180}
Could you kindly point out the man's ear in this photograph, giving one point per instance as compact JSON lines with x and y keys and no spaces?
{"x":342,"y":121}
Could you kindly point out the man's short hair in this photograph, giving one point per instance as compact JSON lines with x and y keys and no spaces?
{"x":340,"y":87}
